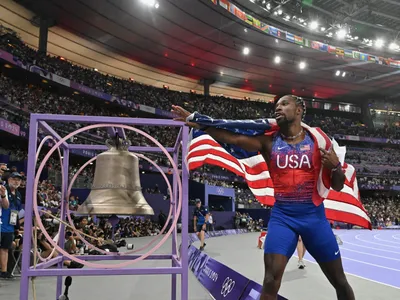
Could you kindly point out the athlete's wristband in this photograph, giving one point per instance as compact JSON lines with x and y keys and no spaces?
{"x":337,"y":167}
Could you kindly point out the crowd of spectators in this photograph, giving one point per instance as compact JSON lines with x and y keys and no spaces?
{"x":219,"y":107}
{"x":137,"y":227}
{"x":29,"y":98}
{"x":339,"y":125}
{"x":383,"y":210}
{"x":128,"y":89}
{"x":377,"y":183}
{"x":245,"y":221}
{"x":368,"y":156}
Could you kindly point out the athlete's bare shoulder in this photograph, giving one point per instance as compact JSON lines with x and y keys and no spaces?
{"x":266,"y":141}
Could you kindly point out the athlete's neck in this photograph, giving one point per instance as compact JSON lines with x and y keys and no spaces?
{"x":291,"y":130}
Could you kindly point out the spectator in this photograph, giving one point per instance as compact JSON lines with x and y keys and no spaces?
{"x":10,"y":221}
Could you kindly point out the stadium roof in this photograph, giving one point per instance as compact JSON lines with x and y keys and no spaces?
{"x":200,"y":39}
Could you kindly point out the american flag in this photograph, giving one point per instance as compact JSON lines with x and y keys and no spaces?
{"x":305,"y":148}
{"x":344,"y":206}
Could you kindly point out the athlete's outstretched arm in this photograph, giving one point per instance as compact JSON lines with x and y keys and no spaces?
{"x":248,"y":143}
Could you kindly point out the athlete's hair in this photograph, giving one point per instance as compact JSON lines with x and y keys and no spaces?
{"x":298,"y":101}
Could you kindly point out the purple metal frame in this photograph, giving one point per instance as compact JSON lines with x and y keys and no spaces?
{"x":179,"y":265}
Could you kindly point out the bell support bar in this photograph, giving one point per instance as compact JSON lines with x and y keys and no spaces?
{"x":131,"y":148}
{"x":178,"y":142}
{"x":110,"y":120}
{"x":46,"y":127}
{"x":112,"y":131}
{"x":179,"y":199}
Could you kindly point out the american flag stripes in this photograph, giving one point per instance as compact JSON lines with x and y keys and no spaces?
{"x":344,"y":206}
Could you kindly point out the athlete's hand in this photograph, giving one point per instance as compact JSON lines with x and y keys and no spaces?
{"x":329,"y":159}
{"x":182,"y":114}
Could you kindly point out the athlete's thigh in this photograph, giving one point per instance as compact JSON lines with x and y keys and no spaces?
{"x":281,"y":238}
{"x":274,"y":267}
{"x":320,"y":241}
{"x":333,"y":270}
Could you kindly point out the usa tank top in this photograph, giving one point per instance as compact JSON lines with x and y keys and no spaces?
{"x":292,"y":171}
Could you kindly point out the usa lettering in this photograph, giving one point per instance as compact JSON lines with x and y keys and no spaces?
{"x":292,"y":161}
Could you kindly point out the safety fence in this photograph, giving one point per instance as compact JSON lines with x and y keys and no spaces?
{"x":221,"y":281}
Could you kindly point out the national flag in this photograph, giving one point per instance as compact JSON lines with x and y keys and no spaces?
{"x":256,"y":23}
{"x":298,"y":40}
{"x":224,"y":4}
{"x":356,"y":54}
{"x":274,"y":31}
{"x":394,"y":63}
{"x":249,"y":19}
{"x":305,"y":148}
{"x":344,"y":206}
{"x":363,"y":56}
{"x":331,"y":49}
{"x":372,"y":58}
{"x":264,"y":27}
{"x":290,"y":37}
{"x":232,"y":8}
{"x":323,"y":47}
{"x":348,"y":53}
{"x":240,"y":14}
{"x":340,"y":51}
{"x":315,"y":45}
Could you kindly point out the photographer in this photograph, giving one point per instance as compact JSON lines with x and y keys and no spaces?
{"x":9,"y":219}
{"x":46,"y":250}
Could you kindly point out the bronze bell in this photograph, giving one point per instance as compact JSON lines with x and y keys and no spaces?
{"x":116,"y":186}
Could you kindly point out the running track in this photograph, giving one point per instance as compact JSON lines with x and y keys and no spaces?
{"x":373,"y":255}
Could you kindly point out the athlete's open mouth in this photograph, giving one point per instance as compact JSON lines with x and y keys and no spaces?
{"x":278,"y":116}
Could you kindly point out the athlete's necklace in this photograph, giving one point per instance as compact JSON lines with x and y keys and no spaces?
{"x":292,"y":137}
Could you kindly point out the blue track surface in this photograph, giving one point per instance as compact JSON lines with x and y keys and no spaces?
{"x":374,"y":255}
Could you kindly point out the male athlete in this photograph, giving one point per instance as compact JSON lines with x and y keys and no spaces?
{"x":289,"y":154}
{"x":200,"y":219}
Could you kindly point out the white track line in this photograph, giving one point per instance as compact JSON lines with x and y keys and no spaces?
{"x":347,"y":273}
{"x":379,"y":239}
{"x":367,"y":263}
{"x":380,"y":244}
{"x":385,"y":257}
{"x":396,"y":238}
{"x":370,"y":264}
{"x":358,"y":245}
